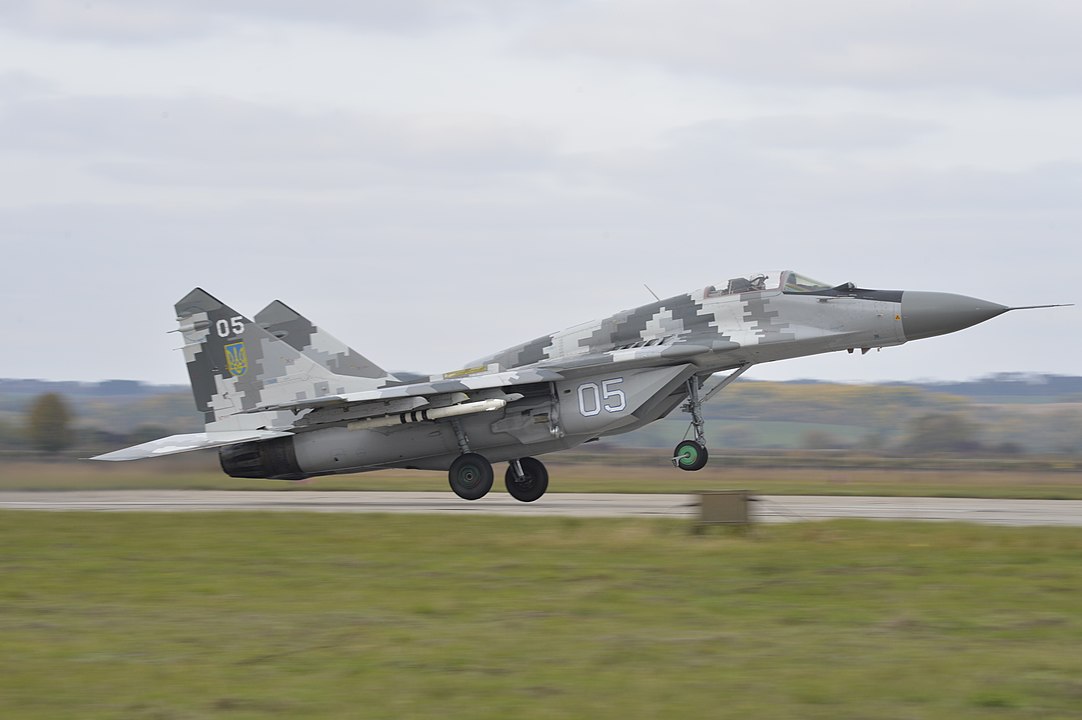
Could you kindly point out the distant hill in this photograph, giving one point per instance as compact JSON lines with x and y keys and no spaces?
{"x":1001,"y":387}
{"x":1005,"y":386}
{"x":103,"y":389}
{"x":1002,"y":413}
{"x":1026,"y":387}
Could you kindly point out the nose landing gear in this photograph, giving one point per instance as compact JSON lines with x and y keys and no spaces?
{"x":692,"y":455}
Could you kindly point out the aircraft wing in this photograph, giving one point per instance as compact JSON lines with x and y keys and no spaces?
{"x":546,"y":371}
{"x":634,"y":357}
{"x":191,"y":441}
{"x":410,"y":396}
{"x":447,"y":386}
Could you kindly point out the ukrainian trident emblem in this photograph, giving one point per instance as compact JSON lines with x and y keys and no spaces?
{"x":236,"y":358}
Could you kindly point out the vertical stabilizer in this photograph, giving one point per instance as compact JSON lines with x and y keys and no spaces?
{"x":318,"y":345}
{"x":235,"y":366}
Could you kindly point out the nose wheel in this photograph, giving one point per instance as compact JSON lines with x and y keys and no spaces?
{"x":691,"y":455}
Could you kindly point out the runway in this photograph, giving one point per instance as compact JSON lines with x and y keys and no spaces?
{"x":766,"y":509}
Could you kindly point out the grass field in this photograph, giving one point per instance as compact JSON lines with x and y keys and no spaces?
{"x":654,"y":476}
{"x":311,"y":616}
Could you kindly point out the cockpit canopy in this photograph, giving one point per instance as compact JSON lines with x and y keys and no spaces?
{"x":785,"y":280}
{"x":796,"y":283}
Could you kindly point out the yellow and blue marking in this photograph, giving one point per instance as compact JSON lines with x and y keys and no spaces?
{"x":236,"y":358}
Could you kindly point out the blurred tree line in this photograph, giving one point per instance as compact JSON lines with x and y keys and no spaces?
{"x":48,"y":424}
{"x":55,"y":424}
{"x":895,"y":419}
{"x":885,"y":419}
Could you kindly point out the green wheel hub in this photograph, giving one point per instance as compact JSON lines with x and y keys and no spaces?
{"x":690,"y":455}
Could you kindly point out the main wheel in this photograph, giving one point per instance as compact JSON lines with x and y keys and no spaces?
{"x":532,"y":485}
{"x":691,"y":455}
{"x":471,"y":476}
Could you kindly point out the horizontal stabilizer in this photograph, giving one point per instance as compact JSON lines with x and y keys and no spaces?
{"x":185,"y":443}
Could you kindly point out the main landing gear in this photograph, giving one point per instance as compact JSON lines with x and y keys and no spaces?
{"x":471,"y":474}
{"x":526,"y":479}
{"x":471,"y":477}
{"x":692,"y":455}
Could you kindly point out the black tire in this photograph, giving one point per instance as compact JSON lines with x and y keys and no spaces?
{"x":470,"y":476}
{"x":691,"y":455}
{"x":534,"y":483}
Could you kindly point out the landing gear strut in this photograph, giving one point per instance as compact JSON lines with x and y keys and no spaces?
{"x":692,"y":454}
{"x":526,"y":479}
{"x":471,"y":476}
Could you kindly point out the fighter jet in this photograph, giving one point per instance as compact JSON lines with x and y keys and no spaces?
{"x":283,"y":399}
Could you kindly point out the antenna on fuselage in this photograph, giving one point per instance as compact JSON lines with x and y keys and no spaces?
{"x":651,"y":292}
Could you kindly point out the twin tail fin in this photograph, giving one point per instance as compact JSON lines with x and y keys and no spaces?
{"x":236,"y":366}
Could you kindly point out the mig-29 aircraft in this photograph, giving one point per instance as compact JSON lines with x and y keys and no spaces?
{"x":283,"y":399}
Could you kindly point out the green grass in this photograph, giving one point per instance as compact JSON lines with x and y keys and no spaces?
{"x":647,"y":475}
{"x":314,"y":616}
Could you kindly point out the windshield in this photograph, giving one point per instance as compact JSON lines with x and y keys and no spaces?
{"x":796,"y":283}
{"x":752,"y":283}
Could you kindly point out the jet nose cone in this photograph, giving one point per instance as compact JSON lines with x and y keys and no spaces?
{"x":927,"y":314}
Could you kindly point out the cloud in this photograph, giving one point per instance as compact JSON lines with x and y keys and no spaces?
{"x":192,"y":148}
{"x":994,"y":45}
{"x":843,"y":132}
{"x":213,"y":141}
{"x":128,"y":21}
{"x":105,"y":20}
{"x":816,"y":164}
{"x":20,"y":85}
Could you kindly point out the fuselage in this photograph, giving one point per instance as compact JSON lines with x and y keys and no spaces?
{"x":731,"y":326}
{"x":630,"y":369}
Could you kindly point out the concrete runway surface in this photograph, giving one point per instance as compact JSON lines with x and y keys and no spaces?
{"x":767,"y":508}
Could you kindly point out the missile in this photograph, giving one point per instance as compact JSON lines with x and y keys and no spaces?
{"x":439,"y":413}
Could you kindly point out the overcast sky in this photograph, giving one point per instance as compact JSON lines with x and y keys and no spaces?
{"x":433,"y":180}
